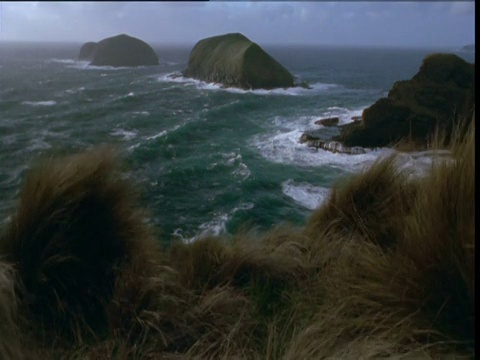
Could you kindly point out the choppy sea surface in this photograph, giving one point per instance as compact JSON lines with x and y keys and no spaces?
{"x":207,"y":160}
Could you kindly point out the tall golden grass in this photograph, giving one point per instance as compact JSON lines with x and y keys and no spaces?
{"x":384,"y":269}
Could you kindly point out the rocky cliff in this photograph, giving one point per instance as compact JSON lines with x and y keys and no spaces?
{"x":440,"y":94}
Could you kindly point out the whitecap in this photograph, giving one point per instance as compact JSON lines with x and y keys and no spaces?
{"x":243,"y":206}
{"x":133,"y":147}
{"x":61,"y":61}
{"x":125,"y":134}
{"x":242,"y":171}
{"x":214,"y":227}
{"x":40,"y":103}
{"x":305,"y":194}
{"x":75,"y":90}
{"x":233,"y":159}
{"x":163,"y":132}
{"x":85,"y":65}
{"x":324,"y":86}
{"x":144,"y":113}
{"x":156,"y":136}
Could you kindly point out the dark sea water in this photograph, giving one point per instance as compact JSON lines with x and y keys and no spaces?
{"x":207,"y":159}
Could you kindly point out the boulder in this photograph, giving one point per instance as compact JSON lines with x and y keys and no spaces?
{"x":439,"y":95}
{"x":235,"y":61}
{"x":120,"y":50}
{"x":332,"y":121}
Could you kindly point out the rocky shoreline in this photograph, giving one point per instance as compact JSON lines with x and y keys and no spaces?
{"x":441,"y":96}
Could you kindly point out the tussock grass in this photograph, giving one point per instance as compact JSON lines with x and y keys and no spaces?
{"x":384,"y":269}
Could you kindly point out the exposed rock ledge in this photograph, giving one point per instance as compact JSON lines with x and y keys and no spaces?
{"x":336,"y":147}
{"x":314,"y":141}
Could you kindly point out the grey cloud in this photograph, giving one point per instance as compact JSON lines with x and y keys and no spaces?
{"x":347,"y":23}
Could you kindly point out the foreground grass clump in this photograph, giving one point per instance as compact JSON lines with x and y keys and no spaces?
{"x":385,"y":268}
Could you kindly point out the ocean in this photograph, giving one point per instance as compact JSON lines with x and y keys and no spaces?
{"x":207,"y":160}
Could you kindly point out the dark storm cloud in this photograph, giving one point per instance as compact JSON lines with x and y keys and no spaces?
{"x":343,"y":23}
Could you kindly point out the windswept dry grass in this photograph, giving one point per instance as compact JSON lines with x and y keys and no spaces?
{"x":384,"y":269}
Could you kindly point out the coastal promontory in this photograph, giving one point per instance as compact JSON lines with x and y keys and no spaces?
{"x":441,"y":94}
{"x":120,"y":50}
{"x":234,"y":61}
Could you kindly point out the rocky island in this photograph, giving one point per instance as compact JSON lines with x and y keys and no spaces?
{"x":234,"y":61}
{"x":439,"y":95}
{"x":120,"y":50}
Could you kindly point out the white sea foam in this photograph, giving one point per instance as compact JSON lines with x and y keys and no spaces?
{"x":315,"y":88}
{"x":61,"y":61}
{"x":144,"y":113}
{"x":216,"y":226}
{"x":156,"y":136}
{"x":242,"y":171}
{"x":233,"y":159}
{"x":74,"y":91}
{"x":163,"y":132}
{"x":305,"y":194}
{"x":85,"y":65}
{"x":133,"y":147}
{"x":40,"y":103}
{"x":125,"y":134}
{"x":344,"y":115}
{"x":284,"y":147}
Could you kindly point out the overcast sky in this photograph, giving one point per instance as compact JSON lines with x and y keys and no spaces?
{"x":393,"y":23}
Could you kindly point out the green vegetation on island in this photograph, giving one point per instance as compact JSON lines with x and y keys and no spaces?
{"x":120,"y":50}
{"x":385,"y":268}
{"x":234,"y":61}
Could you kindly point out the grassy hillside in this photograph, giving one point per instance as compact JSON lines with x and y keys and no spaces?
{"x":234,"y":61}
{"x":384,"y":269}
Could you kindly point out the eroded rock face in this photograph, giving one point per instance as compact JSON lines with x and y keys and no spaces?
{"x":120,"y":50}
{"x":235,"y":61}
{"x":442,"y":92}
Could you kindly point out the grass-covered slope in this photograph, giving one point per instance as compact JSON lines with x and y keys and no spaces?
{"x":234,"y":61}
{"x":384,"y":269}
{"x":439,"y":95}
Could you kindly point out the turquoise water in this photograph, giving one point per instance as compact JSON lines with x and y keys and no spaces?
{"x":207,"y":159}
